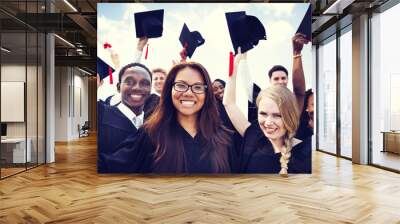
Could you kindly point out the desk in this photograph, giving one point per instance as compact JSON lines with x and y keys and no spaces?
{"x":391,"y":141}
{"x":15,"y":148}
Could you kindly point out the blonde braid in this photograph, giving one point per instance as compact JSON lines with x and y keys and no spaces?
{"x":285,"y":156}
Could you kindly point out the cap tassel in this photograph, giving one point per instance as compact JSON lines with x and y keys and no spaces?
{"x":230,"y":63}
{"x":106,"y":45}
{"x":110,"y":75}
{"x":147,"y":52}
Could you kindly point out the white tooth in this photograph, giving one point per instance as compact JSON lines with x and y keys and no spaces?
{"x":188,"y":103}
{"x":134,"y":96}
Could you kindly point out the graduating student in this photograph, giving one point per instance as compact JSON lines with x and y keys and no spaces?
{"x":269,"y":145}
{"x":218,"y":88}
{"x":184,"y":134}
{"x":309,"y":101}
{"x":148,"y":24}
{"x":159,"y":75}
{"x":116,"y":123}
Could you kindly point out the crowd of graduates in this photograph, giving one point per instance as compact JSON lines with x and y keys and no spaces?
{"x":191,"y":124}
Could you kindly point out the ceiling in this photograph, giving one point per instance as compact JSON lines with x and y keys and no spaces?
{"x":77,"y":27}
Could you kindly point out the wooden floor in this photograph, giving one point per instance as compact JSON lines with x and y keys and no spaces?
{"x":10,"y":171}
{"x":70,"y":191}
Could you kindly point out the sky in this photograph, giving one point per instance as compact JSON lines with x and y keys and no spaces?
{"x":115,"y":25}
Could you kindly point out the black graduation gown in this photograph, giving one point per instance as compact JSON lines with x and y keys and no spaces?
{"x":304,"y":131}
{"x":135,"y":155}
{"x":252,"y":107}
{"x":258,"y":155}
{"x":224,"y":115}
{"x":113,"y":128}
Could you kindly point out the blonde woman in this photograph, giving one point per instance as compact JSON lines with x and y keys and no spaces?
{"x":269,"y":145}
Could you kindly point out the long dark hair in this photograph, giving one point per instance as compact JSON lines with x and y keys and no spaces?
{"x":162,"y":127}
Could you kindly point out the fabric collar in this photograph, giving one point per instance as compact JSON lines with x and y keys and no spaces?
{"x":296,"y":142}
{"x":130,"y":115}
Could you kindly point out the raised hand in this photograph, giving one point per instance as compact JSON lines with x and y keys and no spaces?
{"x":183,"y":55}
{"x":115,"y":59}
{"x":239,"y":56}
{"x":298,"y":41}
{"x":142,"y":43}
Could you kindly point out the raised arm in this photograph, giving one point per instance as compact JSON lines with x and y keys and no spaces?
{"x":299,"y":84}
{"x":236,"y":116}
{"x":115,"y":60}
{"x":139,"y":49}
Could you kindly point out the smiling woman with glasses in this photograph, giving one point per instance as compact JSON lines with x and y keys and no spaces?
{"x":185,"y":133}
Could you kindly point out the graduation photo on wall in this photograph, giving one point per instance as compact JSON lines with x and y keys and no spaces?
{"x":204,"y":88}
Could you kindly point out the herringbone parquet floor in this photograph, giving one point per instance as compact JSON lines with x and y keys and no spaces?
{"x":70,"y":191}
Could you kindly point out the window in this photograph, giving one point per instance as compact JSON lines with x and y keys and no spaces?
{"x":326,"y":94}
{"x":346,"y":93}
{"x":385,"y":89}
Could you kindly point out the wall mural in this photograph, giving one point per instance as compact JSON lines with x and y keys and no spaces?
{"x":198,"y":88}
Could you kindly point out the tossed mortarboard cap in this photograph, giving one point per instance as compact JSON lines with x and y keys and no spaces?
{"x":149,"y":24}
{"x":103,"y":69}
{"x":305,"y":25}
{"x":245,"y":30}
{"x":190,"y":40}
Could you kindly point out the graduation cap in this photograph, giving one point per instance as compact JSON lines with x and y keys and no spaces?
{"x":305,"y":25}
{"x":149,"y":24}
{"x":245,"y":30}
{"x":104,"y":70}
{"x":190,"y":40}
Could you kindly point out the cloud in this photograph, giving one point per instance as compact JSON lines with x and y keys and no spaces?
{"x":279,"y":31}
{"x":120,"y":34}
{"x":132,"y":8}
{"x":281,"y":10}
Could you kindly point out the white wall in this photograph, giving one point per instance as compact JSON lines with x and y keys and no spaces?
{"x":71,"y":102}
{"x":33,"y":126}
{"x":61,"y":103}
{"x":15,"y":73}
{"x":80,"y":110}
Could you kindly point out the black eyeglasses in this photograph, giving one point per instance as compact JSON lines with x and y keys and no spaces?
{"x":183,"y":87}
